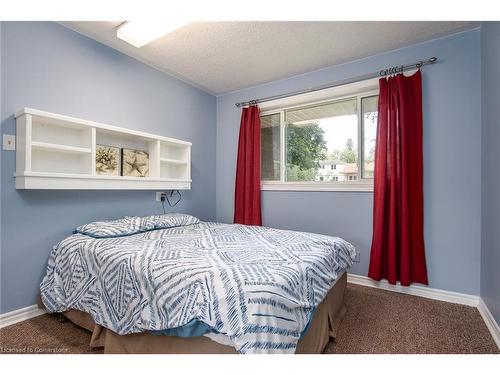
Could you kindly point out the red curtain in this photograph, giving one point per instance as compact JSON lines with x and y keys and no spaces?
{"x":247,"y":189}
{"x":397,"y":251}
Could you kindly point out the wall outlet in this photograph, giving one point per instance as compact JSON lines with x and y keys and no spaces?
{"x":357,"y":259}
{"x":159,"y":194}
{"x":9,"y":142}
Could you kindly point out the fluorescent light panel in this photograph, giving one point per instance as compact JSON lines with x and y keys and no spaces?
{"x":140,"y":33}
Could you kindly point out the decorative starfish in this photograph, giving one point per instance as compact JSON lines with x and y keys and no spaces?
{"x":136,"y":166}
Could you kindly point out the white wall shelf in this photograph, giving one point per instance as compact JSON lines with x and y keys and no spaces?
{"x":58,"y":152}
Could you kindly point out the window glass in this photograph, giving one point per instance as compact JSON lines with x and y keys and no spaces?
{"x":325,"y":134}
{"x":369,"y":108}
{"x":270,"y":147}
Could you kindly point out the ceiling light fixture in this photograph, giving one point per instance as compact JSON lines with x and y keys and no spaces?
{"x":140,"y":33}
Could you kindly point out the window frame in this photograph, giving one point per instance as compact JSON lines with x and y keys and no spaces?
{"x":360,"y":184}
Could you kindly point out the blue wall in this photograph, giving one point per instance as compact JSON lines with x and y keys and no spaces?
{"x":490,"y":253}
{"x":452,"y":162}
{"x":46,"y":66}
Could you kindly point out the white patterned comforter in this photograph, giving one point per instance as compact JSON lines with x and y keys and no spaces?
{"x":258,"y":286}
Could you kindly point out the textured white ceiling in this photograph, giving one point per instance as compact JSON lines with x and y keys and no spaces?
{"x":225,"y":56}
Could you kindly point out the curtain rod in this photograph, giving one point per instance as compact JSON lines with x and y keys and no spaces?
{"x":380,"y":73}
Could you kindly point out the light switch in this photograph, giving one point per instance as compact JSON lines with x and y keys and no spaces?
{"x":9,"y":142}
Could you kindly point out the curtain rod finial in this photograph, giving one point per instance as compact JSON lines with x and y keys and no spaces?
{"x":433,"y":59}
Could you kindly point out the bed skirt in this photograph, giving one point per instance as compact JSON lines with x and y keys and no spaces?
{"x":323,"y":327}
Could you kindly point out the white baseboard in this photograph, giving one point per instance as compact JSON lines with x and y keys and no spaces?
{"x":16,"y":316}
{"x":417,"y":290}
{"x":490,"y":321}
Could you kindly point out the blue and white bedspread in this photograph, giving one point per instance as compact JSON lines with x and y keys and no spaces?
{"x":258,"y":286}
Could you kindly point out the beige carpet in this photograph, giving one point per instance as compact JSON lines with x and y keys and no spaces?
{"x":377,"y":321}
{"x":385,"y":322}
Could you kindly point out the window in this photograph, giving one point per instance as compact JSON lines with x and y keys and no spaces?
{"x":324,"y":144}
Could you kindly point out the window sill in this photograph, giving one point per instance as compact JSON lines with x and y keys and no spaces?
{"x":364,"y":186}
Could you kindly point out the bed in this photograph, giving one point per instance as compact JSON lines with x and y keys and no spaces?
{"x":173,"y":284}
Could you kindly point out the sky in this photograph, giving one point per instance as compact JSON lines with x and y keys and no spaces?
{"x":339,"y":129}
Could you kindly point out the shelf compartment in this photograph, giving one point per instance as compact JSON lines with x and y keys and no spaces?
{"x":172,"y":151}
{"x":174,"y":171}
{"x":60,"y":148}
{"x":60,"y":161}
{"x":61,"y":133}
